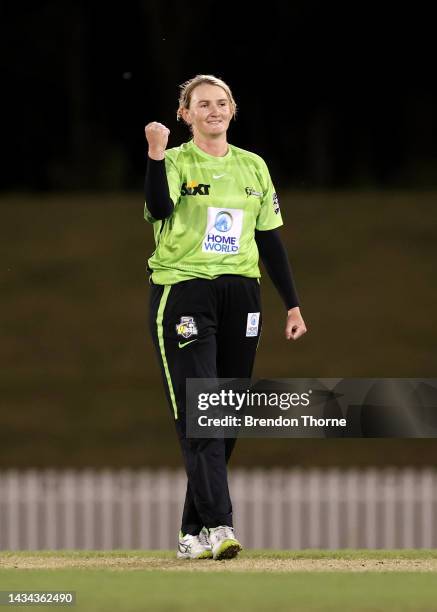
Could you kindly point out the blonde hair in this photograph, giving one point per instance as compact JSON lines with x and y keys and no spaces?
{"x":187,"y":88}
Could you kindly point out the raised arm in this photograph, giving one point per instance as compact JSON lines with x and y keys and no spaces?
{"x":156,"y":191}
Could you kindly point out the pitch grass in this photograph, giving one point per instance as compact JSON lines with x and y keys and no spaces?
{"x":256,"y":581}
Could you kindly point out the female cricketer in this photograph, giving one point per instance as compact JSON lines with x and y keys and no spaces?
{"x":214,"y":212}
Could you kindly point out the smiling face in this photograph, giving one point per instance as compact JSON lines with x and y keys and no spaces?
{"x":209,"y":112}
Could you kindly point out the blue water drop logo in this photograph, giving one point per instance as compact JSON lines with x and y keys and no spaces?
{"x":223,"y":221}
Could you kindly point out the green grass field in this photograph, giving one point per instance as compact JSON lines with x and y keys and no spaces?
{"x":360,"y":580}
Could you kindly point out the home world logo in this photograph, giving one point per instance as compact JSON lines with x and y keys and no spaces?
{"x":223,"y":231}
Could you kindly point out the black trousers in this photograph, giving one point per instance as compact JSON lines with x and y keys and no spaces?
{"x":202,"y":329}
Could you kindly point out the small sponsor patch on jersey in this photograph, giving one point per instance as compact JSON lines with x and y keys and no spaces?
{"x":192,"y":188}
{"x":186,"y":327}
{"x":276,"y":203}
{"x":252,"y":324}
{"x":253,"y":192}
{"x":223,"y":231}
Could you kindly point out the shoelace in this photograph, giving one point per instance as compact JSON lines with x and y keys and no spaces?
{"x":224,"y":532}
{"x":203,"y":538}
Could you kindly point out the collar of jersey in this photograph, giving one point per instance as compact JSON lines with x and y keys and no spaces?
{"x":217,"y":159}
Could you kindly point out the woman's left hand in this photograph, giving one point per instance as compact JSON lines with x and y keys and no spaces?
{"x":295,"y":326}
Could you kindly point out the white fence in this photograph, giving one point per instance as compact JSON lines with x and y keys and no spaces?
{"x":292,"y":509}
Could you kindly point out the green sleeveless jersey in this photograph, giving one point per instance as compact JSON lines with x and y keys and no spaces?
{"x":218,"y":204}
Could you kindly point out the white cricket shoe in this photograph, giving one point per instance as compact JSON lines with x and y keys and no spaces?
{"x":193,"y":547}
{"x":224,"y":543}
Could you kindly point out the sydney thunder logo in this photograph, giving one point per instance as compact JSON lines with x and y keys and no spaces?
{"x":193,"y":188}
{"x":186,"y":327}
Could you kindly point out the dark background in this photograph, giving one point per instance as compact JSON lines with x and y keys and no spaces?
{"x":339,"y":101}
{"x":332,"y":95}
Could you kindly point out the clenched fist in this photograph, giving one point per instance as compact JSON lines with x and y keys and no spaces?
{"x":157,"y":138}
{"x":295,"y":326}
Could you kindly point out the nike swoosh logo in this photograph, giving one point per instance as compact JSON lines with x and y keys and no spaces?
{"x":181,"y":345}
{"x":217,"y":176}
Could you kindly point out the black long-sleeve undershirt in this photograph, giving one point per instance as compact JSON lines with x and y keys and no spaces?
{"x":156,"y":191}
{"x":275,"y":259}
{"x":269,"y":243}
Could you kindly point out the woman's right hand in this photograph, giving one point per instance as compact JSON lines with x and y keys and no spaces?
{"x":157,"y":139}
